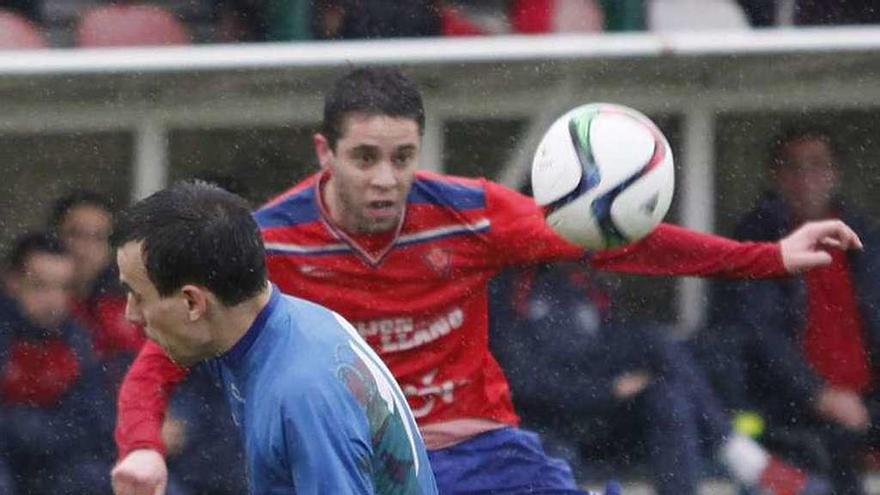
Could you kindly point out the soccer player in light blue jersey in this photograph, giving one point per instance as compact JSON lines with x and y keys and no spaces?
{"x":318,"y":411}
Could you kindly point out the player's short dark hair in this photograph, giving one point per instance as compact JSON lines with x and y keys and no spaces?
{"x":372,"y":91}
{"x":779,"y":144}
{"x":29,"y":244}
{"x":231,"y":183}
{"x":75,"y":199}
{"x":196,"y":233}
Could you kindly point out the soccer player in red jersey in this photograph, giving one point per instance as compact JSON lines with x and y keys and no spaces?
{"x":406,"y":256}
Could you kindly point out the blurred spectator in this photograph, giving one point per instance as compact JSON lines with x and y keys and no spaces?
{"x":130,"y":24}
{"x":625,"y":393}
{"x":469,"y":17}
{"x":354,"y":19}
{"x":556,"y":16}
{"x":801,"y":351}
{"x":55,"y":412}
{"x":17,"y":31}
{"x":474,"y":17}
{"x":83,"y":221}
{"x":811,"y":12}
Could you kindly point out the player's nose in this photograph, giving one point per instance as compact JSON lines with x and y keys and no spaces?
{"x":384,"y":176}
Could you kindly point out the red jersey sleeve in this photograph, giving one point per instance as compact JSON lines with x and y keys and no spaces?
{"x":518,"y":232}
{"x":673,"y":250}
{"x":520,"y":235}
{"x":143,"y":398}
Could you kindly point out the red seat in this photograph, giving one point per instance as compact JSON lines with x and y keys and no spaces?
{"x":130,"y":25}
{"x":18,"y":32}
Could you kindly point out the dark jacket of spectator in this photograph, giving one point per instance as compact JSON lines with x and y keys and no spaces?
{"x":557,"y":362}
{"x":54,"y":403}
{"x":776,"y":309}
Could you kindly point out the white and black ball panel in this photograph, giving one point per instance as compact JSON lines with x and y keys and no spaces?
{"x":582,"y":230}
{"x":556,"y":170}
{"x":611,"y":175}
{"x":642,"y":205}
{"x":618,"y":138}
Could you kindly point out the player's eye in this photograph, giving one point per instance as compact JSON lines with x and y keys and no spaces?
{"x":364,"y":158}
{"x":403,"y":159}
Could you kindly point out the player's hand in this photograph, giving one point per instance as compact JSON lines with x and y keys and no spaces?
{"x":805,"y":248}
{"x":843,"y":407}
{"x":141,"y":472}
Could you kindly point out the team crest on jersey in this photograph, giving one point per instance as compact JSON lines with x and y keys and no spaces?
{"x":439,"y":260}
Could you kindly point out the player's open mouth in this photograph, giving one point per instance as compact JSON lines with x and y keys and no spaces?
{"x":382,"y":208}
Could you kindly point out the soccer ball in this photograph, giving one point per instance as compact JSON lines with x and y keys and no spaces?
{"x":604,"y":174}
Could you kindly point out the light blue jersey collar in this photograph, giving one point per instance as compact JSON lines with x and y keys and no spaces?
{"x":234,"y":356}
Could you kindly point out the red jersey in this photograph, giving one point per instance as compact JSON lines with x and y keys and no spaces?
{"x":418,"y":295}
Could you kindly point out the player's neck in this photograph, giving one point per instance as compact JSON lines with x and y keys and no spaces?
{"x":334,"y":209}
{"x":233,"y":322}
{"x":329,"y":200}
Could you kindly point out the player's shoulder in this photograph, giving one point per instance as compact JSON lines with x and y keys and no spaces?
{"x":303,"y":311}
{"x":461,"y":193}
{"x":314,"y":324}
{"x":318,"y":340}
{"x":292,"y":207}
{"x":305,"y":345}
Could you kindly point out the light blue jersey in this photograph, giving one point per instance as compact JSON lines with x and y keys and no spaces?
{"x":318,"y":411}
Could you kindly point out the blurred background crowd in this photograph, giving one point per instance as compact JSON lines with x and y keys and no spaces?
{"x":789,"y":364}
{"x":65,"y":23}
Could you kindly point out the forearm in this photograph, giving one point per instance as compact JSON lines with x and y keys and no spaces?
{"x":672,"y":250}
{"x":143,"y":398}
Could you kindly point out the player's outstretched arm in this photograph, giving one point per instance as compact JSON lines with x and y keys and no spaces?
{"x":141,"y":472}
{"x":143,"y":398}
{"x":807,"y":246}
{"x":673,"y":250}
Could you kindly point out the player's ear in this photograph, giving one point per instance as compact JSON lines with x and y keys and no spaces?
{"x":323,"y":150}
{"x":196,"y":300}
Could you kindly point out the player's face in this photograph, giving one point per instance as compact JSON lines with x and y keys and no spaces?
{"x":166,"y":320}
{"x":371,"y":171}
{"x":807,"y":178}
